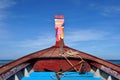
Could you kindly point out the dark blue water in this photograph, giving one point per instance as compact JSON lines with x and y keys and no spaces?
{"x":115,"y":61}
{"x":3,"y":62}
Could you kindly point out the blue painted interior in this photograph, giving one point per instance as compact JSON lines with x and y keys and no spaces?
{"x":63,"y":76}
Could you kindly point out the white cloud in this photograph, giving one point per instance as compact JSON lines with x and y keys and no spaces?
{"x":109,"y":10}
{"x":70,"y":37}
{"x":2,"y":16}
{"x":85,"y":35}
{"x":106,"y":9}
{"x":3,"y":33}
{"x":41,"y":41}
{"x":4,"y":5}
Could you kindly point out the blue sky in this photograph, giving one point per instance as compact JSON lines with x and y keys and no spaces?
{"x":91,"y":26}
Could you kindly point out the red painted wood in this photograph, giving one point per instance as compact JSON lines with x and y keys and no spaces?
{"x":56,"y":65}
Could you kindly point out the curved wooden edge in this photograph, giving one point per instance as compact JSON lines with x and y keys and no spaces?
{"x":100,"y":61}
{"x":37,"y":54}
{"x":19,"y":61}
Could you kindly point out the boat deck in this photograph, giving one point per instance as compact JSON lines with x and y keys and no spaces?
{"x":63,"y":76}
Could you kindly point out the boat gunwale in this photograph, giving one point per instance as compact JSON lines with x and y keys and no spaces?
{"x":35,"y":56}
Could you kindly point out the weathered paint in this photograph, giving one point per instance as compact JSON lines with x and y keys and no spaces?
{"x":111,"y":72}
{"x":12,"y":71}
{"x":56,"y":65}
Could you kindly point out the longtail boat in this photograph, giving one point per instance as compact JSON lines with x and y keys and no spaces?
{"x":60,"y":62}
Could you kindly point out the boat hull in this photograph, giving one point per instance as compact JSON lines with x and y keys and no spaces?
{"x":61,"y":65}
